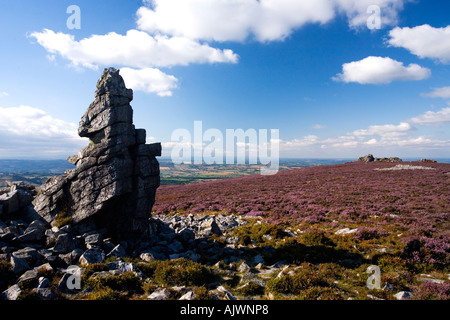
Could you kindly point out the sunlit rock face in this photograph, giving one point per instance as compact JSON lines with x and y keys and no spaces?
{"x":114,"y":183}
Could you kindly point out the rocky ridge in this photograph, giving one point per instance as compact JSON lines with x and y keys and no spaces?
{"x":370,"y":158}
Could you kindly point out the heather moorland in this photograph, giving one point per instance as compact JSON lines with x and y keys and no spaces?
{"x":326,"y":225}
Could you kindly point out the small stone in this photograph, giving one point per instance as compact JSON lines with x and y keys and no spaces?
{"x":188,"y":296}
{"x":65,"y":243}
{"x":19,"y":265}
{"x":147,"y":257}
{"x":244,"y":267}
{"x":43,"y":283}
{"x":28,"y":276}
{"x":403,"y":295}
{"x":94,"y":239}
{"x":45,"y":293}
{"x":160,"y":294}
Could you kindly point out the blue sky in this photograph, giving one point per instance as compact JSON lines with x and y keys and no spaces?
{"x":333,"y":87}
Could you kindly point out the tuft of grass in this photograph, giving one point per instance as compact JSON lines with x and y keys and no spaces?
{"x":315,"y":238}
{"x":103,"y":294}
{"x":182,"y":272}
{"x":126,"y":281}
{"x":62,"y":219}
{"x":256,"y":232}
{"x":201,"y":293}
{"x":301,"y":280}
{"x":251,"y":289}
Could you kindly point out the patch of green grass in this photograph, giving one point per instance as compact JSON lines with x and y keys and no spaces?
{"x":301,"y":280}
{"x":316,"y":238}
{"x":256,"y":232}
{"x":201,"y":293}
{"x":251,"y":289}
{"x":320,"y":293}
{"x":126,"y":281}
{"x":182,"y":272}
{"x":103,"y":294}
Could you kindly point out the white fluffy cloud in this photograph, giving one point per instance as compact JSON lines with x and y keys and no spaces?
{"x":387,"y":130}
{"x":432,"y":118}
{"x":439,"y":93}
{"x":149,"y":80}
{"x":265,"y":20}
{"x":136,"y":49}
{"x":26,"y":131}
{"x":380,"y":70}
{"x":424,"y":41}
{"x":170,"y":33}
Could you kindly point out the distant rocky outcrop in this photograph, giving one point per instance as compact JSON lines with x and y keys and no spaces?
{"x":428,"y":161}
{"x":114,"y":183}
{"x":371,"y":158}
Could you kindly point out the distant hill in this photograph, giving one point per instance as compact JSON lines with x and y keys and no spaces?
{"x":35,"y":166}
{"x":33,"y":171}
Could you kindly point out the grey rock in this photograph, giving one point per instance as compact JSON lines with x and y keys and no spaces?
{"x":209,"y":227}
{"x":43,"y":283}
{"x":72,"y":257}
{"x":10,"y":202}
{"x":147,"y":257}
{"x":65,"y":243}
{"x":244,"y":267}
{"x":30,"y":275}
{"x":188,"y":296}
{"x":114,"y":183}
{"x":93,"y":240}
{"x":159,"y":294}
{"x":403,"y":295}
{"x":92,"y":256}
{"x":19,"y":265}
{"x":389,"y":287}
{"x":34,"y":232}
{"x":12,"y":293}
{"x":31,"y":256}
{"x":46,"y":293}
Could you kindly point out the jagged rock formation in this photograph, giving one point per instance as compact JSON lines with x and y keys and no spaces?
{"x":371,"y":158}
{"x":114,"y":183}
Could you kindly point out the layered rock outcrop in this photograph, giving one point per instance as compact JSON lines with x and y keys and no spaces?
{"x":114,"y":183}
{"x":371,"y":158}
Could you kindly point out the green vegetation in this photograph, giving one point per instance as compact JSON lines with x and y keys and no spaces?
{"x":182,"y":272}
{"x":62,"y":219}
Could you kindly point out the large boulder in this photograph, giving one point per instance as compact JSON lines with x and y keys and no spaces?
{"x":114,"y":183}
